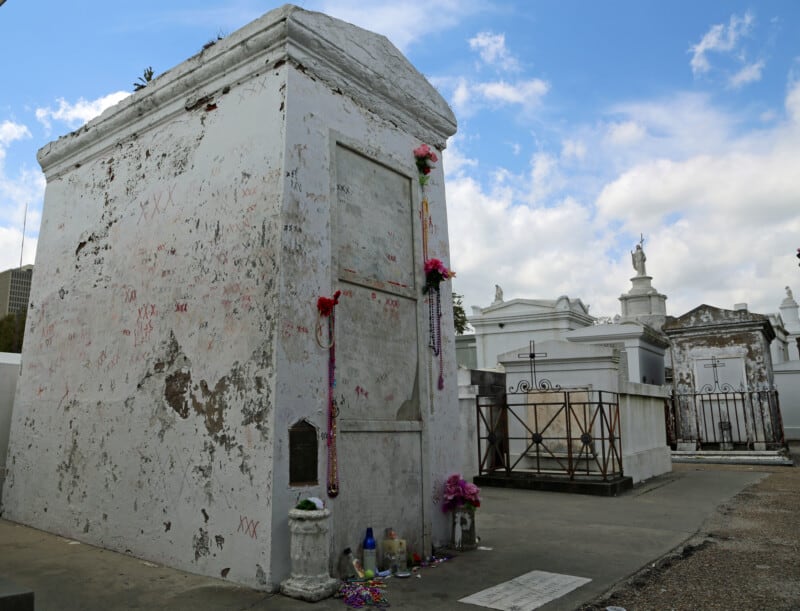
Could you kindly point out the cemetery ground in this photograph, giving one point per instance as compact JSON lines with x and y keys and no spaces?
{"x":700,"y":538}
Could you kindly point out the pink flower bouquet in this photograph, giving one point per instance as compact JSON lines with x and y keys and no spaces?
{"x":458,"y":492}
{"x":436,"y":273}
{"x":426,"y":159}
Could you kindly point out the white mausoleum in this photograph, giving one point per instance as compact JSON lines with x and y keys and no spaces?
{"x":174,"y":393}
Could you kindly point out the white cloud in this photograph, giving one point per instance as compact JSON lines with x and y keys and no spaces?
{"x":748,"y":74}
{"x":10,"y":131}
{"x":719,"y":39}
{"x":625,"y":133}
{"x":792,"y":103}
{"x":573,"y":149}
{"x":467,"y":97}
{"x":17,"y":192}
{"x":455,"y":162}
{"x":75,"y":115}
{"x":533,"y":252}
{"x":525,"y":93}
{"x":400,"y":23}
{"x":544,"y":177}
{"x":10,"y":245}
{"x":492,"y":49}
{"x":768,"y":116}
{"x":461,"y":94}
{"x":677,"y":126}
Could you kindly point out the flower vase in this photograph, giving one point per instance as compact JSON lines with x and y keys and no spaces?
{"x":463,"y":531}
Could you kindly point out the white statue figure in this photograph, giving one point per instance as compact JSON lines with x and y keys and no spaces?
{"x":498,"y":293}
{"x":638,"y":258}
{"x":789,"y":293}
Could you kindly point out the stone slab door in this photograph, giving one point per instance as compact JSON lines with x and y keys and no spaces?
{"x":378,"y":350}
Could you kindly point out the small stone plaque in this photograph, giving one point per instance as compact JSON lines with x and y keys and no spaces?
{"x":303,"y":454}
{"x":526,"y":592}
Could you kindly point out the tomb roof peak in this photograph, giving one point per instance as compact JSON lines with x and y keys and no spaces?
{"x":349,"y":60}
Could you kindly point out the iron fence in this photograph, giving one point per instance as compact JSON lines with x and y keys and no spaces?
{"x":728,"y":420}
{"x":545,"y":431}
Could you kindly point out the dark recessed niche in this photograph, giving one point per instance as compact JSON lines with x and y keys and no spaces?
{"x":303,"y":438}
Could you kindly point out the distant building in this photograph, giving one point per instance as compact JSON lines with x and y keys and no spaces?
{"x":15,"y":290}
{"x":507,"y":325}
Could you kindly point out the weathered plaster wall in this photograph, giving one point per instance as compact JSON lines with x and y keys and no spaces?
{"x":645,"y":452}
{"x":707,"y":331}
{"x":144,"y":418}
{"x":361,"y":235}
{"x":787,"y":380}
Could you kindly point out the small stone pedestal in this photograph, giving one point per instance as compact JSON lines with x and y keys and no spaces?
{"x":463,"y":534}
{"x":310,"y":551}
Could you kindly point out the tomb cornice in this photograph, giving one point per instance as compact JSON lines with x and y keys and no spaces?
{"x":619,"y":333}
{"x":338,"y":54}
{"x":524,"y":317}
{"x":720,"y":327}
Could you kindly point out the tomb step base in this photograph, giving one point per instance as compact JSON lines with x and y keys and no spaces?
{"x":612,"y":486}
{"x":752,"y":457}
{"x":14,"y":597}
{"x":310,"y":588}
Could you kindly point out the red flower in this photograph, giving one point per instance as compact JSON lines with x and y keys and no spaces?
{"x":425,"y":158}
{"x":325,"y":305}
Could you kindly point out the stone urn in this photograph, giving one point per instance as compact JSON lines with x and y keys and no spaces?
{"x":463,"y":530}
{"x":310,"y":553}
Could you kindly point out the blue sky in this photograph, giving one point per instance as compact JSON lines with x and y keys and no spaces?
{"x":581,"y":126}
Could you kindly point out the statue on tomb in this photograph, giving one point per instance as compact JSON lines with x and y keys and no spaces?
{"x":789,"y":293}
{"x":498,"y":294}
{"x":638,"y":258}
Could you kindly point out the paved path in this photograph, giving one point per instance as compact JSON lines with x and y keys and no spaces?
{"x":603,"y":539}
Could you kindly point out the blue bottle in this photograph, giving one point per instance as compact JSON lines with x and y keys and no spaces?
{"x":370,"y":552}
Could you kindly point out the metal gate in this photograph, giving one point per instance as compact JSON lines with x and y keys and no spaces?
{"x":728,"y":419}
{"x":550,"y":431}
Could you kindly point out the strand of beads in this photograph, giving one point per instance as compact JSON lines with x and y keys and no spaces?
{"x":326,"y":308}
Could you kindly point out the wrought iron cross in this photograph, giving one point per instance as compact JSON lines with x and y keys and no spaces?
{"x":715,"y":363}
{"x":531,"y":356}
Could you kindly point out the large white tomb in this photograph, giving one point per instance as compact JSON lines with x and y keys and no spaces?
{"x":173,"y":400}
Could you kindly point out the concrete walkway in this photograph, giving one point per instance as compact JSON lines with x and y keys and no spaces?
{"x":603,"y":539}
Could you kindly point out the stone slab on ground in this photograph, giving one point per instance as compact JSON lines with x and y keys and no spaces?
{"x":526,"y":592}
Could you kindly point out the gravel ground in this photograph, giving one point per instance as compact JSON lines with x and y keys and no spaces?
{"x":746,"y":556}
